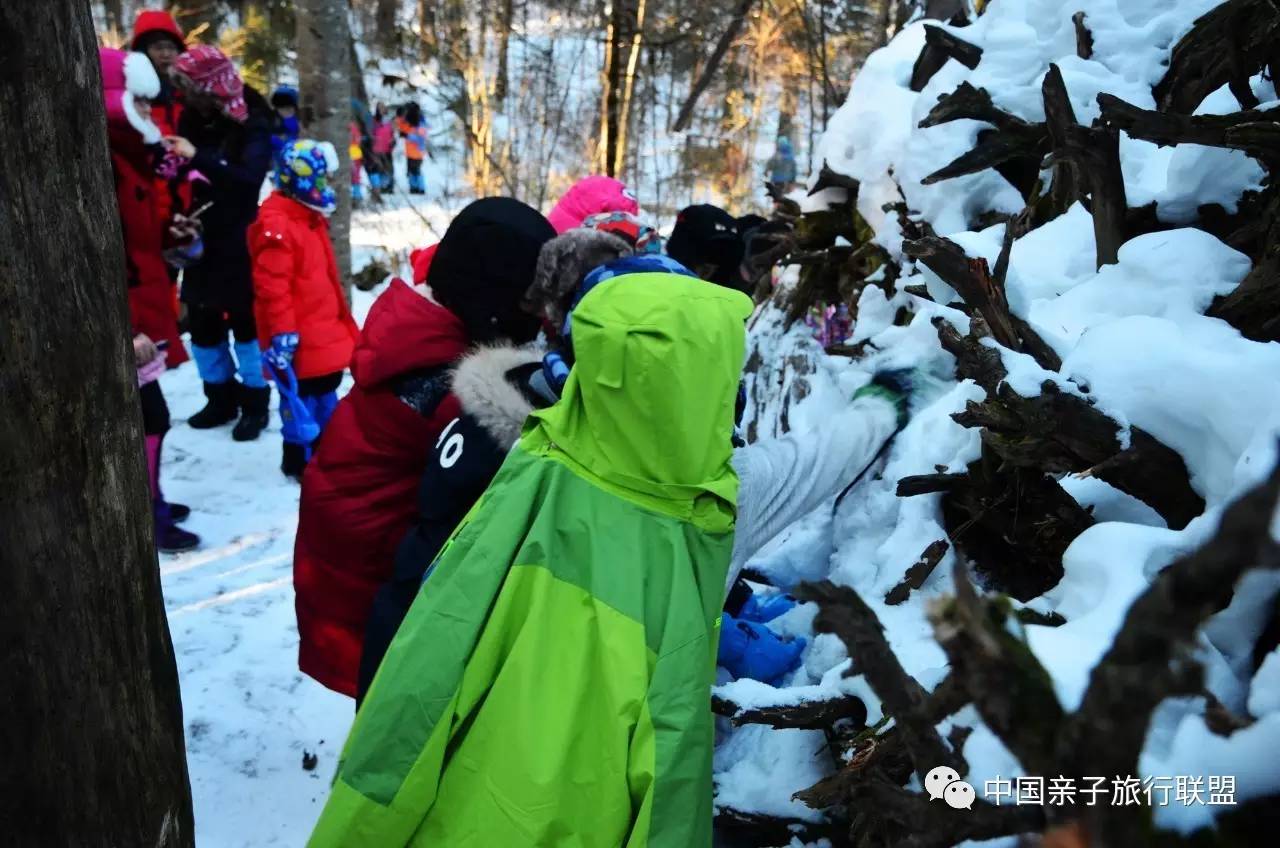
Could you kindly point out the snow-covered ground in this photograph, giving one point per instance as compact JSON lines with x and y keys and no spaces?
{"x":250,"y":715}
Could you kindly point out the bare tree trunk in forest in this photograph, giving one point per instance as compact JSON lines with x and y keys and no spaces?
{"x":427,"y":28}
{"x":609,"y":88}
{"x":504,"y":39}
{"x":887,"y":24}
{"x":717,"y":56}
{"x":822,"y":51}
{"x":628,"y":88}
{"x":384,"y":20}
{"x":114,"y":11}
{"x":199,"y":19}
{"x":90,"y":719}
{"x":324,"y":83}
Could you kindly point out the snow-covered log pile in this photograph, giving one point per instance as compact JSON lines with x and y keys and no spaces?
{"x":1063,"y":217}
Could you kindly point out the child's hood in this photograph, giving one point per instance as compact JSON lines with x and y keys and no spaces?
{"x":405,"y":332}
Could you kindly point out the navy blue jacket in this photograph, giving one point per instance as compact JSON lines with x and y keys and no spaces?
{"x":236,"y":159}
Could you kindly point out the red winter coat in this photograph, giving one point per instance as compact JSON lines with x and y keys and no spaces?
{"x":166,"y":109}
{"x":150,"y":290}
{"x":359,"y":489}
{"x":296,"y":286}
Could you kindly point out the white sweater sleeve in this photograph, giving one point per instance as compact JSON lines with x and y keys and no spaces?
{"x":781,"y":480}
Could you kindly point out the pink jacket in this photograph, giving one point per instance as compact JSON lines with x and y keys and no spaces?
{"x":384,"y":137}
{"x":589,"y":196}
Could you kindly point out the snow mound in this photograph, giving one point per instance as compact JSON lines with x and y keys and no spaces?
{"x":1133,"y":336}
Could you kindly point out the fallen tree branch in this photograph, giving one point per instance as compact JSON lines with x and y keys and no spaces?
{"x":1093,"y":157}
{"x":764,"y":829}
{"x":1227,"y":46}
{"x":828,"y":178}
{"x":994,"y":149}
{"x":842,"y":612}
{"x":1152,"y":656}
{"x":1011,"y":690}
{"x":939,"y":46}
{"x":1084,"y":38}
{"x":972,"y":281}
{"x":808,"y":715}
{"x":970,"y":103}
{"x":926,"y":484}
{"x":932,"y":824}
{"x":919,"y":572}
{"x":1254,"y":132}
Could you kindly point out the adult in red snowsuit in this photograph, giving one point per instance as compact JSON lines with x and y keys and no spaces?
{"x":359,"y":490}
{"x":134,"y":143}
{"x":157,"y":34}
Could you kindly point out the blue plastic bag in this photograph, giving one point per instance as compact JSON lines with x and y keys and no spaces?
{"x":297,"y":425}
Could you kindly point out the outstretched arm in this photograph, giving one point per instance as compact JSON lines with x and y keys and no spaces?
{"x":784,"y":479}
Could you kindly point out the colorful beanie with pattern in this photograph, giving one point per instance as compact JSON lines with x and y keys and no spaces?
{"x":303,"y":173}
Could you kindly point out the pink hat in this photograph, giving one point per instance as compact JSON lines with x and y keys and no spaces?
{"x":589,"y":196}
{"x":124,"y":77}
{"x":206,"y":69}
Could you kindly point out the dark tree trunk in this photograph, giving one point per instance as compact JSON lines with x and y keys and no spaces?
{"x":713,"y":64}
{"x":427,"y":27}
{"x":506,"y":16}
{"x":114,"y":12}
{"x":90,"y":719}
{"x":611,"y":99}
{"x":199,"y":19}
{"x":324,"y":70}
{"x":384,"y":20}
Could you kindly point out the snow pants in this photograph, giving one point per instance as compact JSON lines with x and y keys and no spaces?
{"x":210,"y":332}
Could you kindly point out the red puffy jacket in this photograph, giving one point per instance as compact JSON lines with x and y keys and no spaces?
{"x":359,"y":489}
{"x":166,"y":109}
{"x":296,"y":286}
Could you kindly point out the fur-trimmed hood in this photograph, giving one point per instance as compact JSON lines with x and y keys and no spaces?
{"x":124,"y":77}
{"x":482,"y":384}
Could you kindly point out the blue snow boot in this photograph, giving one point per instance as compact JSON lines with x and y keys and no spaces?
{"x":754,"y":651}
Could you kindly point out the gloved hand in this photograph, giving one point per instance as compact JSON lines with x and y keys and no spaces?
{"x":151,"y":371}
{"x":185,"y":255}
{"x":752,"y":650}
{"x":763,"y":611}
{"x":283,"y":347}
{"x":892,"y":385}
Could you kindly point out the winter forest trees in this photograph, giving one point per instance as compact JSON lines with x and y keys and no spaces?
{"x":91,"y":745}
{"x":520,"y":79}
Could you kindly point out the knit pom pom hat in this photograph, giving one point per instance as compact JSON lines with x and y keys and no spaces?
{"x":206,"y":70}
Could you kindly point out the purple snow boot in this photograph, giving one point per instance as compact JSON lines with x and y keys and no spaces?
{"x":155,"y":445}
{"x":170,"y":538}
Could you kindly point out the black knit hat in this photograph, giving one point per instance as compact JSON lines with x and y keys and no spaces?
{"x":707,"y":240}
{"x":484,"y":265}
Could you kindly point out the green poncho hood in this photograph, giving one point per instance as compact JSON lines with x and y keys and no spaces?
{"x":648,"y":408}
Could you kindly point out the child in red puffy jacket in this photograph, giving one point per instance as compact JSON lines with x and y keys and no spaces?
{"x":304,"y":322}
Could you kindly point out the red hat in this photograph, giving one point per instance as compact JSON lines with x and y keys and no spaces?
{"x":206,"y":69}
{"x":421,"y":262}
{"x":155,"y":20}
